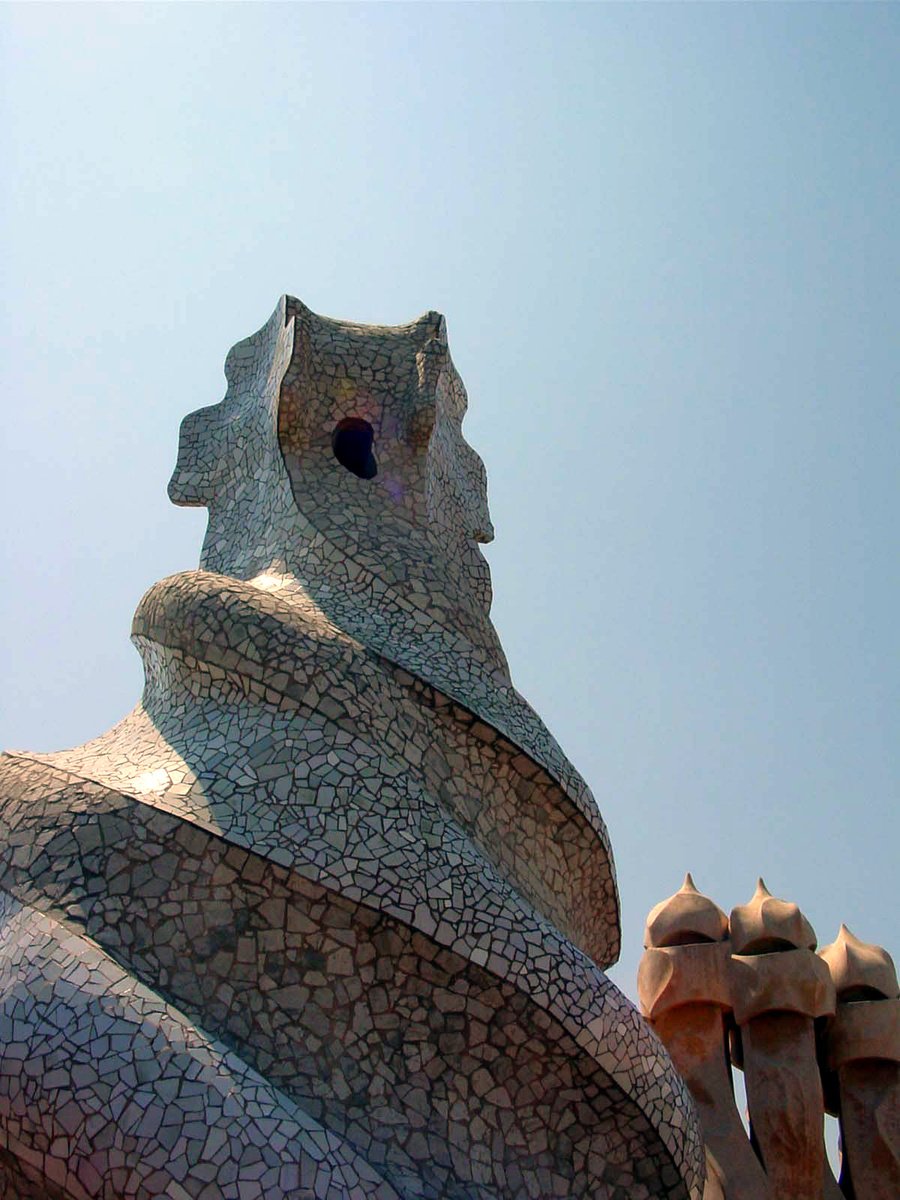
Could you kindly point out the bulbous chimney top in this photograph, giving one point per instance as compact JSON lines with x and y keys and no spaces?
{"x":766,"y":923}
{"x":860,"y":970}
{"x":685,"y":917}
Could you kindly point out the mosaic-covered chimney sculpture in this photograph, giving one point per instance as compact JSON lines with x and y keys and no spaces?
{"x":813,"y":1034}
{"x":326,"y":915}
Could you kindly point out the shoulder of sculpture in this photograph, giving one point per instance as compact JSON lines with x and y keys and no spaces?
{"x":196,"y":607}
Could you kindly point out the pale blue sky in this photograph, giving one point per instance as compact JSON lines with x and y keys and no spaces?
{"x":665,"y":239}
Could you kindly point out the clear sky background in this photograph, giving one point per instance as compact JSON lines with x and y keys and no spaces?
{"x":665,"y":239}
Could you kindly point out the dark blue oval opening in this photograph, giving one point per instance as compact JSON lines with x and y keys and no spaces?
{"x":352,"y":442}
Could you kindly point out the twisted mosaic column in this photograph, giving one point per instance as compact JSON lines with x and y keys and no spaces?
{"x":326,"y":915}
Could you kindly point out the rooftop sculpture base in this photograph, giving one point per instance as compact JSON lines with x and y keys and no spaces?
{"x":326,"y":915}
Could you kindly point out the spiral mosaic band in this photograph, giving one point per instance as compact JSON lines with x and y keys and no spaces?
{"x":326,"y":914}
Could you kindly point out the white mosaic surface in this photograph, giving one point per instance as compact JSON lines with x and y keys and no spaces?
{"x":332,"y":837}
{"x":102,"y":1081}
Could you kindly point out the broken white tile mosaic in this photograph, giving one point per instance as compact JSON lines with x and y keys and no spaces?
{"x":332,"y":856}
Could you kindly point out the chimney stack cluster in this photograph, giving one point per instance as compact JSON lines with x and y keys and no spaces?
{"x":813,"y":1033}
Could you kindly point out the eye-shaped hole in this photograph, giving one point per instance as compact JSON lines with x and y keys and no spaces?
{"x":351,"y":442}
